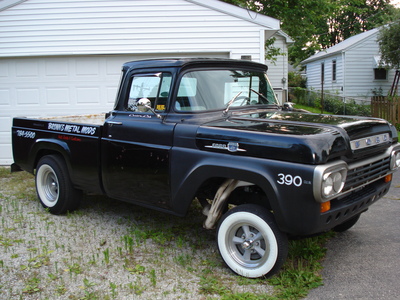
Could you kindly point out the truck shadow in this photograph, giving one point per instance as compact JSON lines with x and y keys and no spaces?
{"x":150,"y":226}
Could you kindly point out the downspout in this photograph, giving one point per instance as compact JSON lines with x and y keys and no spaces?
{"x":262,"y":45}
{"x":344,"y":76}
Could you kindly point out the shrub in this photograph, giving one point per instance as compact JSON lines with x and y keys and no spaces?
{"x":332,"y":103}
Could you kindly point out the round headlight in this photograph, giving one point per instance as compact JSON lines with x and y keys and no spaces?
{"x":338,"y":182}
{"x":332,"y":183}
{"x":327,"y":185}
{"x":395,"y":160}
{"x":329,"y":180}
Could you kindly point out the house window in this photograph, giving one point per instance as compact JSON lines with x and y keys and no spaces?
{"x":322,"y":72}
{"x":380,"y":74}
{"x":334,"y":70}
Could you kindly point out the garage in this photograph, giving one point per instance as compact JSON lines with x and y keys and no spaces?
{"x":64,"y":57}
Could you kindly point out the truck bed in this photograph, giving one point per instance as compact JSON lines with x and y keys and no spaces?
{"x":76,"y":138}
{"x":92,"y":119}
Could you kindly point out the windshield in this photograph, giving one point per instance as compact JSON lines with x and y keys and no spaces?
{"x":223,"y":89}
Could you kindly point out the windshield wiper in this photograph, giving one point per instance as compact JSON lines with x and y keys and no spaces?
{"x":230,"y":103}
{"x":261,"y":95}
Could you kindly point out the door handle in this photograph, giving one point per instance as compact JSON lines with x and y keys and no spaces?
{"x":114,"y":123}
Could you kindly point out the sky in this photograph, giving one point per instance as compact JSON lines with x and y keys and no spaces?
{"x":396,"y":3}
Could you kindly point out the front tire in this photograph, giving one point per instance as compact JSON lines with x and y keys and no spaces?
{"x":250,"y":242}
{"x":54,"y":187}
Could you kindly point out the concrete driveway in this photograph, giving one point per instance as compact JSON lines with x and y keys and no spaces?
{"x":364,"y":262}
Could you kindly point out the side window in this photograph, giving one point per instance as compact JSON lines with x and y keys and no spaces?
{"x":155,"y":87}
{"x":334,"y":70}
{"x":380,"y":74}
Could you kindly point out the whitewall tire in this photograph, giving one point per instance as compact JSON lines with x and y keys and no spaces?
{"x":54,"y":187}
{"x":250,"y":242}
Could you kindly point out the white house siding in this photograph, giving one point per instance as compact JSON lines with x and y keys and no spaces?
{"x":314,"y":75}
{"x":278,"y":70}
{"x":64,"y":57}
{"x":355,"y":69}
{"x":45,"y":27}
{"x":360,"y":66}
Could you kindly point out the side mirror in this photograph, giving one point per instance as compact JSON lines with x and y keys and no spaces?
{"x":144,"y":105}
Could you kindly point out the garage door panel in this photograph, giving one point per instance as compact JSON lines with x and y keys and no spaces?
{"x":58,"y":67}
{"x":5,"y":99}
{"x":28,"y":96}
{"x":27,"y":68}
{"x":5,"y":124}
{"x":4,"y":69}
{"x":89,"y":94}
{"x":57,"y":96}
{"x":111,"y":94}
{"x":85,"y":67}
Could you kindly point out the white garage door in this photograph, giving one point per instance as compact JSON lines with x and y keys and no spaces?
{"x":54,"y":86}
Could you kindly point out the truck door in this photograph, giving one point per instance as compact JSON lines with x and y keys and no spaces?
{"x":137,"y":143}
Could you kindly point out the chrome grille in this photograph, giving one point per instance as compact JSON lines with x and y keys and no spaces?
{"x":367,"y":173}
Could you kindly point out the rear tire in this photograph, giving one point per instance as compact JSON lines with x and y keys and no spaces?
{"x":54,"y":187}
{"x":250,"y":242}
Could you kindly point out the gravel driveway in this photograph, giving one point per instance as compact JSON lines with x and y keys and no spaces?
{"x":113,"y":250}
{"x":107,"y":250}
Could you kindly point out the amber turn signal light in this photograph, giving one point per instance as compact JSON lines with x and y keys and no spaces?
{"x":388,"y":178}
{"x":325,"y":206}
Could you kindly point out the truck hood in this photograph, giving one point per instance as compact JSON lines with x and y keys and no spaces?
{"x":295,"y":137}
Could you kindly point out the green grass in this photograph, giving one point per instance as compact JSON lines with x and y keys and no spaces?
{"x":109,"y":250}
{"x":310,"y":109}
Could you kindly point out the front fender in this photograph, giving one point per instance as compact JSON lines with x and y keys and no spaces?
{"x":291,"y":202}
{"x":191,"y":168}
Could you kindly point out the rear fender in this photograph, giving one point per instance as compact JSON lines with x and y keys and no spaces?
{"x":43,"y":147}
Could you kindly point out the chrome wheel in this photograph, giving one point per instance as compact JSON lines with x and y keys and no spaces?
{"x":47,"y":185}
{"x":247,"y":245}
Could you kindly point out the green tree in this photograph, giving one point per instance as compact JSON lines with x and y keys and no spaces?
{"x":389,"y":44}
{"x":351,"y":17}
{"x":318,"y":24}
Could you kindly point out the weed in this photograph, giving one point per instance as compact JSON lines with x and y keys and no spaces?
{"x":61,"y":290}
{"x":210,"y":285}
{"x":32,"y":286}
{"x":106,"y":256}
{"x":113,"y":287}
{"x":74,"y":268}
{"x":137,"y":288}
{"x":183,"y":259}
{"x":87,"y":283}
{"x":153,"y":277}
{"x":300,"y":272}
{"x":138,"y":269}
{"x":52,"y":277}
{"x":128,"y":242}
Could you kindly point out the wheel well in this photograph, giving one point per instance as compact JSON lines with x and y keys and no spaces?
{"x":249,"y":194}
{"x":43,"y":153}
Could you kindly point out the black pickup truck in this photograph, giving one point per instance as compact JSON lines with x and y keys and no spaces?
{"x":212,"y":130}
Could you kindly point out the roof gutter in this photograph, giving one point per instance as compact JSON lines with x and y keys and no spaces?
{"x":6,"y":4}
{"x":242,"y":13}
